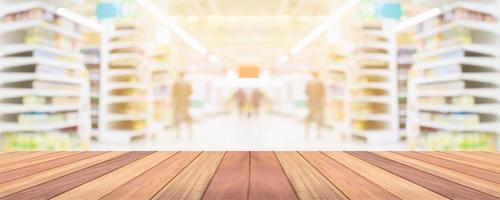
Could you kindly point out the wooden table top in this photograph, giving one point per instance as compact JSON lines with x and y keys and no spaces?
{"x":250,"y":175}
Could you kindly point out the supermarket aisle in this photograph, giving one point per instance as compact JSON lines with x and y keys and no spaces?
{"x":232,"y":133}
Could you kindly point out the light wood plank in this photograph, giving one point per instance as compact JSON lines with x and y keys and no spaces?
{"x":344,"y":178}
{"x":8,"y":156}
{"x":306,"y":181}
{"x":150,"y":182}
{"x":103,"y":185}
{"x":267,"y":178}
{"x":486,"y":157}
{"x":20,"y":156}
{"x":466,"y":169}
{"x":42,"y":177}
{"x":434,"y":183}
{"x":394,"y":184}
{"x":231,"y":179}
{"x":193,"y":180}
{"x":62,"y":184}
{"x":467,"y":180}
{"x":466,"y":161}
{"x":33,"y":161}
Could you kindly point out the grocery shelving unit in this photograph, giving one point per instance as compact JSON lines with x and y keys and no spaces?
{"x":92,"y":50}
{"x":373,"y":111}
{"x":124,"y":91}
{"x":44,"y":89}
{"x":161,"y":83}
{"x":455,"y":86}
{"x":406,"y":50}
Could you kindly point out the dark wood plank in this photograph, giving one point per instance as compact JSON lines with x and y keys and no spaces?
{"x":231,"y":178}
{"x":392,"y":183}
{"x":17,"y":185}
{"x":60,"y":185}
{"x":267,"y":178}
{"x":103,"y":185}
{"x":344,"y":178}
{"x":466,"y":169}
{"x":33,"y":169}
{"x":150,"y":182}
{"x":193,"y":180}
{"x":437,"y":184}
{"x":457,"y":177}
{"x":306,"y":181}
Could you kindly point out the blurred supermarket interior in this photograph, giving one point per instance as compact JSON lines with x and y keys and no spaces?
{"x":249,"y":75}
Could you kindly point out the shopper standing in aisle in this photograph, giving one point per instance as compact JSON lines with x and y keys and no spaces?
{"x":240,"y":97}
{"x":315,"y":92}
{"x":257,"y":97}
{"x":181,"y":92}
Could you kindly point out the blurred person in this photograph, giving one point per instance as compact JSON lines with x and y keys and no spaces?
{"x":315,"y":92}
{"x":257,"y":97}
{"x":181,"y":92}
{"x":241,"y":99}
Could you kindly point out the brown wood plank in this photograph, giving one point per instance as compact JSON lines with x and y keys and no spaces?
{"x":437,"y":184}
{"x":231,"y":178}
{"x":103,"y":185}
{"x":8,"y":156}
{"x":193,"y":180}
{"x":394,"y":184}
{"x":464,"y":179}
{"x":33,"y":169}
{"x":62,"y":184}
{"x":466,"y":169}
{"x":466,"y":161}
{"x":150,"y":182}
{"x":17,"y":185}
{"x":33,"y":161}
{"x":306,"y":181}
{"x":267,"y":178}
{"x":20,"y":156}
{"x":344,"y":178}
{"x":486,"y":157}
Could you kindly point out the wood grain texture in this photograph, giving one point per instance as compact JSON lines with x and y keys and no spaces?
{"x":485,"y":157}
{"x":193,"y":180}
{"x":437,"y":184}
{"x":29,"y":170}
{"x":467,"y":161}
{"x":267,"y":179}
{"x":17,"y":185}
{"x":344,"y":178}
{"x":394,"y":184}
{"x":467,"y":180}
{"x":466,"y":169}
{"x":35,"y":160}
{"x":307,"y":182}
{"x":13,"y":157}
{"x":103,"y":185}
{"x":150,"y":182}
{"x":231,"y":178}
{"x":62,"y":184}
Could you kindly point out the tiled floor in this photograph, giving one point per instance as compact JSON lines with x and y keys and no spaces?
{"x":229,"y":132}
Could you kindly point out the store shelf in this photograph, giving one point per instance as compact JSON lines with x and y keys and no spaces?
{"x":21,"y":61}
{"x":487,"y":108}
{"x":23,"y":25}
{"x":491,"y":27}
{"x":15,"y":127}
{"x":19,"y":48}
{"x":482,"y":127}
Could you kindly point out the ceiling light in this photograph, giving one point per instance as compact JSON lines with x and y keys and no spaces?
{"x":324,"y":26}
{"x":284,"y":58}
{"x":417,"y":19}
{"x":173,"y":26}
{"x":80,"y":19}
{"x":212,"y":58}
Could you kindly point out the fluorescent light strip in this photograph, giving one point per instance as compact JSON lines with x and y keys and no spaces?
{"x":417,"y":19}
{"x":172,"y":25}
{"x":80,"y":19}
{"x":339,"y":13}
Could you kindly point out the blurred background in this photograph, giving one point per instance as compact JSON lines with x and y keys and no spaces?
{"x":249,"y":75}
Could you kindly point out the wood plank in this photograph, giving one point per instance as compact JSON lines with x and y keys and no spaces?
{"x":231,"y":178}
{"x":486,"y":157}
{"x":344,"y":178}
{"x":62,"y":184}
{"x":40,"y":167}
{"x":150,"y":182}
{"x":17,"y":156}
{"x":193,"y":180}
{"x":466,"y":161}
{"x":464,"y":179}
{"x":8,"y":156}
{"x":437,"y":184}
{"x":17,"y":185}
{"x":103,"y":185}
{"x":33,"y":161}
{"x":466,"y":169}
{"x":267,"y":179}
{"x":394,"y":184}
{"x":306,"y":181}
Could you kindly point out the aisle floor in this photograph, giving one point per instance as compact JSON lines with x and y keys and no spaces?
{"x":229,"y":132}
